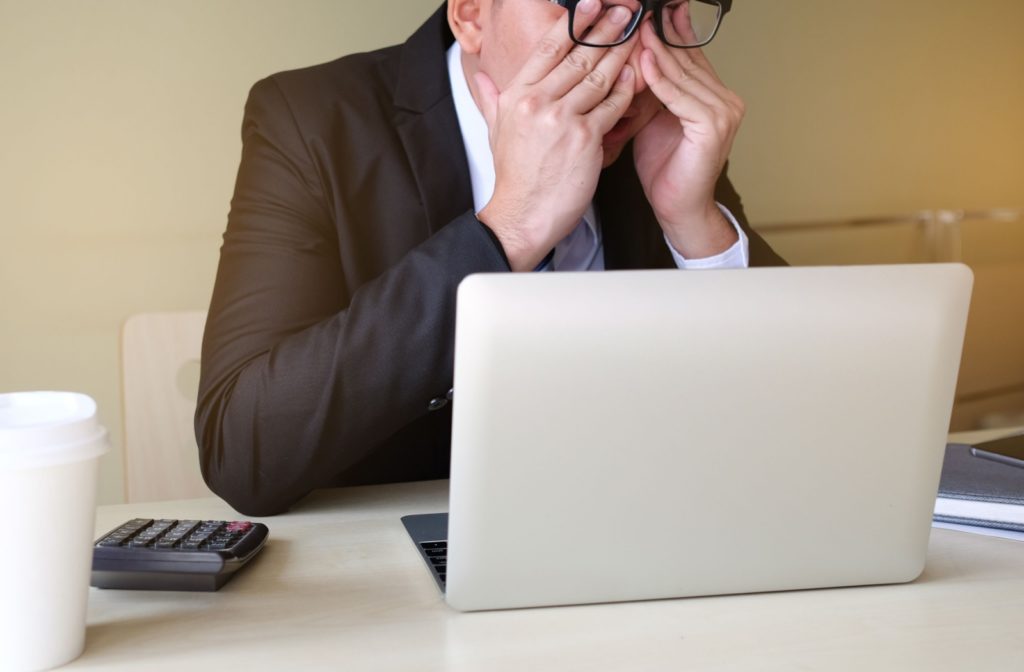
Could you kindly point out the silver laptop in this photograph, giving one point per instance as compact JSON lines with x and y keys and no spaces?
{"x":659,"y":434}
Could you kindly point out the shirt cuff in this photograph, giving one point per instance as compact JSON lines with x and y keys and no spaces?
{"x":737,"y":256}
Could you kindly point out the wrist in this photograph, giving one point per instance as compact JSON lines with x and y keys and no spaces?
{"x":521,"y":253}
{"x":703,"y":233}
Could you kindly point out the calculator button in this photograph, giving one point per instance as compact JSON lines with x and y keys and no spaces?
{"x":183,"y":528}
{"x":200,"y":537}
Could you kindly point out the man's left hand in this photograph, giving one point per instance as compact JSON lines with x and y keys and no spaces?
{"x":682,"y":151}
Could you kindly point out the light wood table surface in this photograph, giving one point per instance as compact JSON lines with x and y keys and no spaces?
{"x":340,"y":586}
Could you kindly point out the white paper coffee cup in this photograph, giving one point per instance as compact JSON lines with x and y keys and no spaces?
{"x":50,"y":445}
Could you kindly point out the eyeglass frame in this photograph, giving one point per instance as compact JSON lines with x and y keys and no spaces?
{"x":646,"y":5}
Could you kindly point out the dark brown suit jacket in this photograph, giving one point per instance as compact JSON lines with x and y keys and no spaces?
{"x":331,"y":326}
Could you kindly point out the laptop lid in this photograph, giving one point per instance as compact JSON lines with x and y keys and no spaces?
{"x":640,"y":435}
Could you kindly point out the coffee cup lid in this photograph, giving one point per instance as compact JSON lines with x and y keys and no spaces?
{"x":47,"y":427}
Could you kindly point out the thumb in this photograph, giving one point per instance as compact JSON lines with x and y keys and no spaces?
{"x":488,"y":97}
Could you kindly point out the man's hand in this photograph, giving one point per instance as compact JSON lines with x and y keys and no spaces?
{"x":680,"y":154}
{"x":546,"y":130}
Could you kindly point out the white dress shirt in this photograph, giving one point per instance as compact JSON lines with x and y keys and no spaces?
{"x":582,"y":249}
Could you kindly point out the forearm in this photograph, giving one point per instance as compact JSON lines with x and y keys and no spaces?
{"x":292,"y":417}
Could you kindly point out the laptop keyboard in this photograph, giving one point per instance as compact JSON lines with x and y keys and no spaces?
{"x":437,"y":553}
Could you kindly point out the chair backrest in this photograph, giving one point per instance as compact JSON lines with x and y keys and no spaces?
{"x":160,"y":380}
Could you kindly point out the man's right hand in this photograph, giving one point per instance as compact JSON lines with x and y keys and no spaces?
{"x":546,"y":131}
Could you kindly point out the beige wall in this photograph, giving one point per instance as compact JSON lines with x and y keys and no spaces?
{"x":120,"y":140}
{"x":868,"y":107}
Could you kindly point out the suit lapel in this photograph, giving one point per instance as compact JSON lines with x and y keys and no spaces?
{"x":429,"y":130}
{"x":427,"y":125}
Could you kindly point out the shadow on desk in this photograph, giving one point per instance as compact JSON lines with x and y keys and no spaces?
{"x":954,"y":561}
{"x":142,"y":615}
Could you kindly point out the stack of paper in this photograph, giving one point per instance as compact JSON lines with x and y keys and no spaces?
{"x":980,"y":495}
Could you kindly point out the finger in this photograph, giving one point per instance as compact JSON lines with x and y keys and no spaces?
{"x":678,"y":78}
{"x":683,"y":104}
{"x":488,"y":97}
{"x":552,"y":48}
{"x":596,"y":85}
{"x":687,"y":75}
{"x":676,"y":63}
{"x":677,"y":23}
{"x":581,"y":62}
{"x":608,"y":112}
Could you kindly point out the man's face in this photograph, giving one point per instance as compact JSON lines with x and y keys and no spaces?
{"x":510,"y":31}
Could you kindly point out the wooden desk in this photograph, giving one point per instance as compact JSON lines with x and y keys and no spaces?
{"x":340,"y":586}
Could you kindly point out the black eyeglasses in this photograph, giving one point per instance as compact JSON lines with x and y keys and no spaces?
{"x":684,"y":24}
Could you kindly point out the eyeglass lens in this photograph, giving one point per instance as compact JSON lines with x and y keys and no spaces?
{"x":689,"y":23}
{"x":682,"y":23}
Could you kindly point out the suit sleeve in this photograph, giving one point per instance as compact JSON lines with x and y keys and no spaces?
{"x":760,"y":252}
{"x":301,"y":374}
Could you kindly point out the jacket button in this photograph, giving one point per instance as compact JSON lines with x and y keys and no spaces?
{"x":437,"y":404}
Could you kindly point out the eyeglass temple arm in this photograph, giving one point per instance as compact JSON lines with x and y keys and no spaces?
{"x":726,"y":5}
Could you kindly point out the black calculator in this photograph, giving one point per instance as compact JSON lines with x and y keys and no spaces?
{"x":167,"y":554}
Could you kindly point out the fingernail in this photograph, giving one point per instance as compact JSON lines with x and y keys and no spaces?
{"x":587,"y":6}
{"x":626,"y":74}
{"x":619,"y":14}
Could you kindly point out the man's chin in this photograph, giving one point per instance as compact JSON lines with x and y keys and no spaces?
{"x":616,"y":140}
{"x":612,"y":153}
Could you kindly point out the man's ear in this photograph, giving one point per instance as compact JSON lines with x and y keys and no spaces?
{"x":464,"y":18}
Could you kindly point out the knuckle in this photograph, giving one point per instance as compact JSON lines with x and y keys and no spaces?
{"x":578,"y":61}
{"x":597,"y":79}
{"x":551,"y":119}
{"x":547,"y":47}
{"x":611,"y":105}
{"x":740,"y":106}
{"x":528,"y":105}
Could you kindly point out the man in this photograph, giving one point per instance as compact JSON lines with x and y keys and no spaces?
{"x":369,"y":187}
